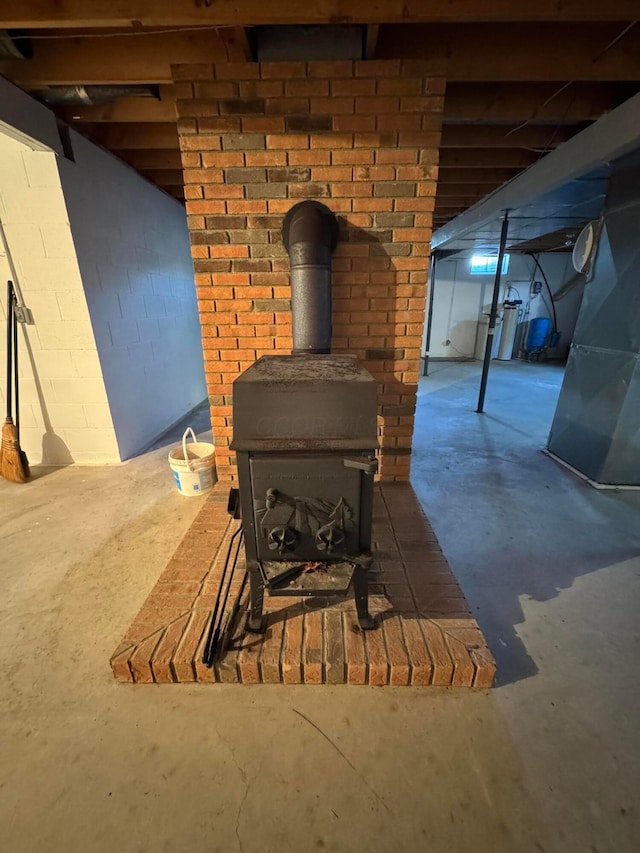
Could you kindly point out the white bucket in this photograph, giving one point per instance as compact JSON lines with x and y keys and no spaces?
{"x":194,"y":466}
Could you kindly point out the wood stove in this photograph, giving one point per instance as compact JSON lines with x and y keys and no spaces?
{"x":305,"y":436}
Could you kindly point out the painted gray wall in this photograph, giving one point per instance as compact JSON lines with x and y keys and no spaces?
{"x":461,"y":299}
{"x":133,"y":251}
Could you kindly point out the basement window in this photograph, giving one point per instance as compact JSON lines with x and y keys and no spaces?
{"x":488,"y":264}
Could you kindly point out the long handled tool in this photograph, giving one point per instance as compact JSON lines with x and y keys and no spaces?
{"x":213,"y":636}
{"x":11,"y":467}
{"x":225,"y":635}
{"x":225,"y":625}
{"x":16,"y":388}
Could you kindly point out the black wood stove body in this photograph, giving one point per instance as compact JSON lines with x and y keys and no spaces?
{"x":305,"y":436}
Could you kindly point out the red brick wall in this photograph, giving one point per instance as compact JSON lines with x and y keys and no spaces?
{"x":361,"y":136}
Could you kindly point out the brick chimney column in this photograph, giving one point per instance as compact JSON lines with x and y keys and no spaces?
{"x":362,"y":137}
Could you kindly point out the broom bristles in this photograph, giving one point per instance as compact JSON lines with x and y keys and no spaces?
{"x":11,"y":465}
{"x":24,"y":462}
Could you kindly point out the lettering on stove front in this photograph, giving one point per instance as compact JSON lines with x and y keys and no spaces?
{"x":309,"y":425}
{"x":295,"y":477}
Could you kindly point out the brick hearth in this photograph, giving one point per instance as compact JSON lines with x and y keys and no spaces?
{"x":426,"y":633}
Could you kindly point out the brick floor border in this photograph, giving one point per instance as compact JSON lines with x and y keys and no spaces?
{"x":426,"y":634}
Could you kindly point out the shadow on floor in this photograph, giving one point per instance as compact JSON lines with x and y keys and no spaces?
{"x":512,"y":523}
{"x":198,"y":419}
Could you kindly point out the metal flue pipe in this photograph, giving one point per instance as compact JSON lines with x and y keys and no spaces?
{"x":310,"y":234}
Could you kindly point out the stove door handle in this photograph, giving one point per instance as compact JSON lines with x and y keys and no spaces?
{"x":369,"y":466}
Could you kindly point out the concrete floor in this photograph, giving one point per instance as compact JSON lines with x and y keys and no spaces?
{"x":547,"y":761}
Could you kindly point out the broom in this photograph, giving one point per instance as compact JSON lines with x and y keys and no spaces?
{"x":16,"y":387}
{"x":11,"y":465}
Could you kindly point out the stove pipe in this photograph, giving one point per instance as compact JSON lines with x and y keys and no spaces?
{"x":310,"y":234}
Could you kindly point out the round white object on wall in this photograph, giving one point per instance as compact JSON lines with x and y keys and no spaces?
{"x":584,"y":247}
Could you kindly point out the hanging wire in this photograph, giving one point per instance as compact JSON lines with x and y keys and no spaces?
{"x":121,"y":33}
{"x":541,"y":107}
{"x":629,"y":26}
{"x":566,"y":85}
{"x":546,"y":281}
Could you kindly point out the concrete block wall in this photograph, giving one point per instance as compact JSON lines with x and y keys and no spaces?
{"x":362,"y":137}
{"x":133,"y":252}
{"x":460,"y":299}
{"x":64,"y":409}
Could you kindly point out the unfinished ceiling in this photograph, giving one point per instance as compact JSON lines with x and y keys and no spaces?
{"x":522,"y":78}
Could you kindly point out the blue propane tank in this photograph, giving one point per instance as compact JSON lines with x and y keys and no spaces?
{"x":538,"y":332}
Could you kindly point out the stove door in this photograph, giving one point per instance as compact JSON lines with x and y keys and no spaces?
{"x":305,"y":507}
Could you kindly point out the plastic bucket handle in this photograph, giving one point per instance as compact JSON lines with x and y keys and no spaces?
{"x":184,"y":445}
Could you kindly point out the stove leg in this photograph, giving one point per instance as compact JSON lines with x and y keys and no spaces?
{"x":361,"y":593}
{"x":256,"y":623}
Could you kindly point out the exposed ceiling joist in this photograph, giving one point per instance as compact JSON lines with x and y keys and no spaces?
{"x":569,"y":183}
{"x":236,"y":43}
{"x":176,"y":192}
{"x":127,"y":109}
{"x":503,"y":53}
{"x":541,"y":137}
{"x":371,"y":41}
{"x":162,"y":13}
{"x":476,"y":176}
{"x":518,"y":52}
{"x":464,"y":199}
{"x":468,"y":191}
{"x":119,"y":136}
{"x":507,"y":67}
{"x":452,"y":209}
{"x":151,"y":159}
{"x":164,"y":135}
{"x":486,"y":158}
{"x":165,"y":177}
{"x":536,"y":103}
{"x":121,"y":59}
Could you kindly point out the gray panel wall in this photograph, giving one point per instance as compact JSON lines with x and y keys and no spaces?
{"x":133,"y":251}
{"x":596,"y":427}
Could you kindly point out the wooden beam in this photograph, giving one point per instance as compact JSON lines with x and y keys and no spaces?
{"x":236,"y":42}
{"x":534,"y":138}
{"x":176,"y":192}
{"x":453,"y":208}
{"x":537,"y":103}
{"x":122,"y":59}
{"x":518,"y":52}
{"x":127,"y":109}
{"x":118,"y":136}
{"x":486,"y":158}
{"x":457,"y":201}
{"x":605,"y":141}
{"x":165,"y":13}
{"x":371,"y":40}
{"x":445,"y":190}
{"x":158,"y":159}
{"x":500,"y":53}
{"x":165,"y":177}
{"x":490,"y":177}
